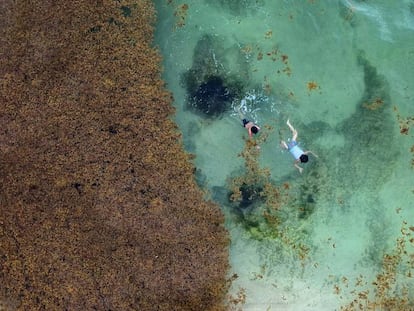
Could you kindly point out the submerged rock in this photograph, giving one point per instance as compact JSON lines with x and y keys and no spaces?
{"x":250,"y":194}
{"x":212,"y":97}
{"x":210,"y":84}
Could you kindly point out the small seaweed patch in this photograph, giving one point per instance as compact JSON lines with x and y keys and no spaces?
{"x":393,"y":284}
{"x":403,"y":122}
{"x":181,"y":14}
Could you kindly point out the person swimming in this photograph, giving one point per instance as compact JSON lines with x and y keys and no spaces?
{"x":294,"y":149}
{"x":251,"y":127}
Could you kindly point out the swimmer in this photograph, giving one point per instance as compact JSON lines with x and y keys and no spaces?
{"x":251,"y":127}
{"x":299,"y":155}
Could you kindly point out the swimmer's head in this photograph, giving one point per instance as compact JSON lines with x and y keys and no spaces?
{"x":304,"y":158}
{"x":255,"y":129}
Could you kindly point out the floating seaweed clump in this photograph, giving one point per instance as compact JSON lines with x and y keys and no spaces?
{"x":251,"y":188}
{"x":261,"y":205}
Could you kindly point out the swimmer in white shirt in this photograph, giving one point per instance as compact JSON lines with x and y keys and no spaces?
{"x":299,"y":155}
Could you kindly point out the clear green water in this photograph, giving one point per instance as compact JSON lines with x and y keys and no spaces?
{"x":359,"y":55}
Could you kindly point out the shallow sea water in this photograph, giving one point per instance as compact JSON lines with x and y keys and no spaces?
{"x":343,"y":73}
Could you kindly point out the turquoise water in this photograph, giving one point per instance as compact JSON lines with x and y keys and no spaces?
{"x":343,"y":73}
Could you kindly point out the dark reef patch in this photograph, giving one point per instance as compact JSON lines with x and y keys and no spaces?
{"x":211,"y":86}
{"x":250,"y":198}
{"x":212,"y":97}
{"x":250,"y":194}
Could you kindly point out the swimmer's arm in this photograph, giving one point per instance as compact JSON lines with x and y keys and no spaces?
{"x":298,"y":167}
{"x":314,"y":154}
{"x":250,"y":132}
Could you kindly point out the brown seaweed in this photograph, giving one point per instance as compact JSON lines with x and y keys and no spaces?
{"x":99,"y":207}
